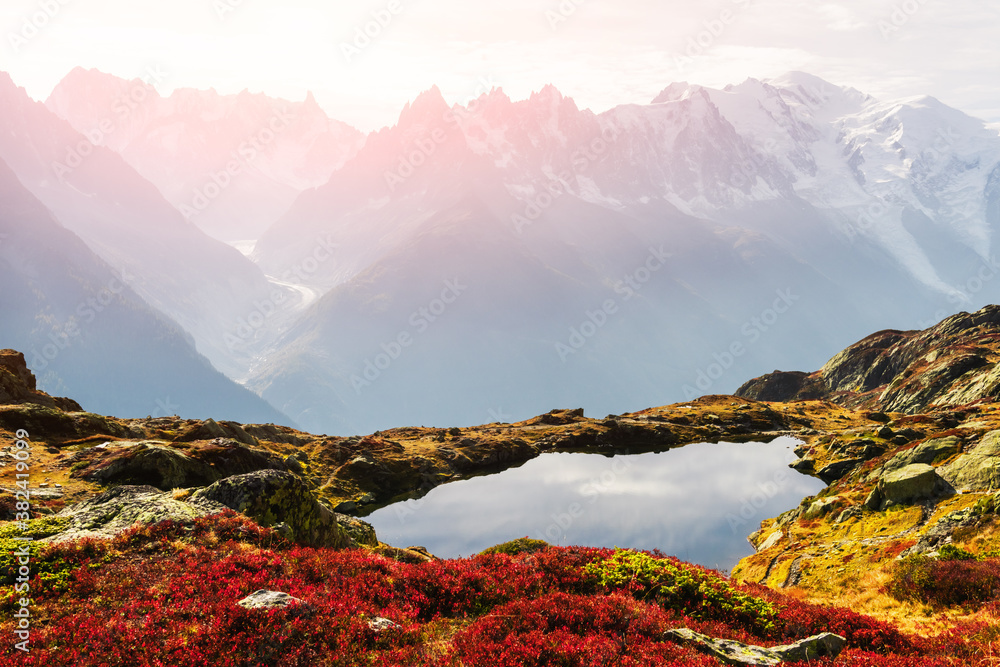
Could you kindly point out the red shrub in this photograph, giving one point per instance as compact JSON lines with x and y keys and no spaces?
{"x":165,"y":596}
{"x":797,"y":619}
{"x":946,"y":583}
{"x":564,"y":629}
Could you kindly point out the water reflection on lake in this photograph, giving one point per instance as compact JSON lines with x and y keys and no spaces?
{"x":698,"y":502}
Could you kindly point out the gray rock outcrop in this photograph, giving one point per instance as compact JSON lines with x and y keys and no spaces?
{"x":118,"y":509}
{"x":931,"y":452}
{"x":978,"y":469}
{"x":910,"y":484}
{"x":272,"y":496}
{"x":166,"y":467}
{"x":826,"y":645}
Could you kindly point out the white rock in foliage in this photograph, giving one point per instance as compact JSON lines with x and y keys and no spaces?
{"x":270,"y":600}
{"x":380,"y":624}
{"x":736,"y":653}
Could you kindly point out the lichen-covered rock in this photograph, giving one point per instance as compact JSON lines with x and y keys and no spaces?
{"x":826,"y":645}
{"x":149,"y":463}
{"x":166,"y":467}
{"x":830,"y":473}
{"x":118,"y":509}
{"x":931,"y":452}
{"x":412,"y":555}
{"x":271,"y":496}
{"x":772,"y":540}
{"x":820,"y":507}
{"x":912,"y":483}
{"x":56,"y":422}
{"x":361,"y":532}
{"x":978,"y":469}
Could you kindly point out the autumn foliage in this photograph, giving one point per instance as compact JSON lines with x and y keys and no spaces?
{"x":166,"y":596}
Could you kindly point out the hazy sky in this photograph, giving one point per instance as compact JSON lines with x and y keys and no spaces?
{"x":602,"y":53}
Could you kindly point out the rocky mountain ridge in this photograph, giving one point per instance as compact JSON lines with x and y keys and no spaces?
{"x":951,"y":363}
{"x":897,"y":482}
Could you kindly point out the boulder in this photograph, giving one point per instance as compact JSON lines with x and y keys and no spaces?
{"x":931,"y":452}
{"x":805,"y":466}
{"x":885,"y":433}
{"x":263,"y":599}
{"x":149,"y":464}
{"x":37,"y":418}
{"x":989,"y":445}
{"x":729,"y":652}
{"x":272,"y":496}
{"x":118,"y":509}
{"x":978,"y":469}
{"x":361,"y":532}
{"x":874,"y":500}
{"x":912,"y":483}
{"x":379,"y":624}
{"x":826,"y":645}
{"x":820,"y":508}
{"x":864,"y":449}
{"x":165,"y":467}
{"x":772,"y":540}
{"x":412,"y":555}
{"x":838,"y":469}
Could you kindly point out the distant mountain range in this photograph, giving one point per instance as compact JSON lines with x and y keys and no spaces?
{"x":232,"y":164}
{"x":496,"y":260}
{"x":86,"y":332}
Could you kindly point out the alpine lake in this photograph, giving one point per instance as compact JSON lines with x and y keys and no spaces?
{"x":698,"y":502}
